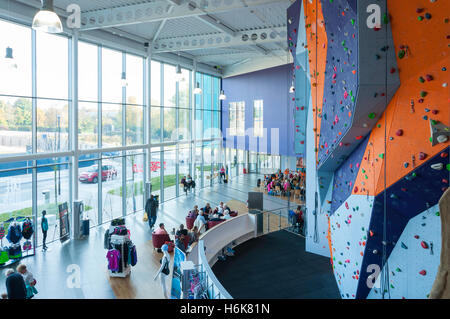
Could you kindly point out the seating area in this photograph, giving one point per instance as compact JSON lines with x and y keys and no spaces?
{"x":287,"y":185}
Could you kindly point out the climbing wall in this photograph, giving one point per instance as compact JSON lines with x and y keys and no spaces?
{"x":355,"y":91}
{"x":416,"y":257}
{"x":391,"y":143}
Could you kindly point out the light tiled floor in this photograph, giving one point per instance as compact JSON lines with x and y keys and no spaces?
{"x":53,"y":269}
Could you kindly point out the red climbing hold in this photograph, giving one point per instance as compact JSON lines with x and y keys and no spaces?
{"x":424,"y":245}
{"x":429,"y":77}
{"x":356,"y":189}
{"x":346,"y":205}
{"x":399,"y":132}
{"x":422,"y":156}
{"x":423,"y":272}
{"x":444,"y":155}
{"x":371,"y":233}
{"x":359,"y":137}
{"x":416,"y":236}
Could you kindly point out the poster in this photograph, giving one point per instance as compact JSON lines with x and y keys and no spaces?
{"x":179,"y":256}
{"x":64,"y":230}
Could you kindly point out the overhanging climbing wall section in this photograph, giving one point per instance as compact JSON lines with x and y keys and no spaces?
{"x":356,"y":89}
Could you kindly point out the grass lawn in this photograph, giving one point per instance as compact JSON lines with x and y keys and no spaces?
{"x":169,"y":180}
{"x":51,"y":209}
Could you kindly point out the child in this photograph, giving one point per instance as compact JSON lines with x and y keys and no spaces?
{"x":30,"y":282}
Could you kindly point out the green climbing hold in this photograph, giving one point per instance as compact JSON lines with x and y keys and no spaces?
{"x":371,"y":115}
{"x":434,"y":122}
{"x":352,"y":21}
{"x":381,"y":155}
{"x":448,"y":167}
{"x":438,"y":214}
{"x":379,"y":125}
{"x":398,"y":270}
{"x":423,"y":93}
{"x":385,"y":19}
{"x":401,"y":54}
{"x":421,"y":80}
{"x":420,"y":18}
{"x":414,"y":175}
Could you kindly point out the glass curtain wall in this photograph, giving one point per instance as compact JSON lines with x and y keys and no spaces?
{"x":37,"y":109}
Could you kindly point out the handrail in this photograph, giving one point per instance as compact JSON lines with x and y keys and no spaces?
{"x":209,"y":273}
{"x":211,"y":243}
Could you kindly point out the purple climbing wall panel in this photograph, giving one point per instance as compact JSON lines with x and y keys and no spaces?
{"x":405,"y":200}
{"x":345,"y":175}
{"x":356,"y":92}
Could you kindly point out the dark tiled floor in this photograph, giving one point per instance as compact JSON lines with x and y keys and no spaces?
{"x":52,"y":268}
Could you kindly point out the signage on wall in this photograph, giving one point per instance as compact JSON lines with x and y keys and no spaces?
{"x":64,"y":230}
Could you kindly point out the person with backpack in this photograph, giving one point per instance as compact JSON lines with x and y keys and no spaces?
{"x":44,"y":227}
{"x":164,"y":270}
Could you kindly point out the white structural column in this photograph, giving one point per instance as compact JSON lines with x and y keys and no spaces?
{"x":148,"y":104}
{"x":74,"y":124}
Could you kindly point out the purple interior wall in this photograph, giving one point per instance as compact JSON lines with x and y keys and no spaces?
{"x":272,"y":86}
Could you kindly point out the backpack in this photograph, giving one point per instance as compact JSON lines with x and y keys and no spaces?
{"x":165,"y":269}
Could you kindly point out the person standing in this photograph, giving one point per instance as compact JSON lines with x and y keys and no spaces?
{"x":44,"y":227}
{"x":15,"y":285}
{"x":150,"y":209}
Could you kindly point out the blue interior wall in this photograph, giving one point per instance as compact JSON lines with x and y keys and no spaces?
{"x":272,"y":86}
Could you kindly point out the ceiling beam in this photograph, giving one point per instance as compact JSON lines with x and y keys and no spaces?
{"x":250,"y":37}
{"x":158,"y":11}
{"x":217,"y":24}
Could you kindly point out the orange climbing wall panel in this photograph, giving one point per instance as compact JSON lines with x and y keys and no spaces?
{"x":317,"y":52}
{"x":427,"y":54}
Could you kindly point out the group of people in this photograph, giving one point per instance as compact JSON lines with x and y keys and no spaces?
{"x":180,"y":235}
{"x":188,"y":183}
{"x":20,"y":284}
{"x":286,"y":181}
{"x":205,"y":214}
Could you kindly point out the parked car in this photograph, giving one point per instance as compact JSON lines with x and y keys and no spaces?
{"x":91,"y":174}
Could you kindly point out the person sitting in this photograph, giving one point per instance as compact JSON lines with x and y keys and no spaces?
{"x":181,"y":231}
{"x":226,"y":210}
{"x":15,"y":285}
{"x":201,"y":223}
{"x":193,"y":235}
{"x":226,"y":215}
{"x":206,"y":216}
{"x":161,"y":230}
{"x":220,"y":208}
{"x":179,"y":242}
{"x":193,"y":213}
{"x":207,"y":209}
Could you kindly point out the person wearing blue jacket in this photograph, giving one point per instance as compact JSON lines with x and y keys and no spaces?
{"x":15,"y":285}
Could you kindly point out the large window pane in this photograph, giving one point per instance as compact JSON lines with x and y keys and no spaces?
{"x":15,"y":78}
{"x":156,"y":124}
{"x":112,"y":125}
{"x":184,"y":162}
{"x":135,"y":80}
{"x":15,"y":125}
{"x":183,"y":124}
{"x":135,"y":182}
{"x":207,"y":92}
{"x":88,"y":188}
{"x":183,"y":89}
{"x":135,"y":124}
{"x":169,"y":173}
{"x":111,"y":76}
{"x":112,"y":187}
{"x":52,"y":66}
{"x":87,"y":72}
{"x":156,"y":83}
{"x":169,"y":124}
{"x":52,"y":125}
{"x":155,"y":171}
{"x":52,"y":189}
{"x":87,"y":125}
{"x":169,"y":85}
{"x":207,"y":164}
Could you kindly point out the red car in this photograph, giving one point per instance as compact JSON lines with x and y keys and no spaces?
{"x":91,"y":175}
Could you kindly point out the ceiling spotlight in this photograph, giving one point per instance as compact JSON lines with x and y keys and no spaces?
{"x":197,"y":89}
{"x":222,"y":95}
{"x":46,"y":19}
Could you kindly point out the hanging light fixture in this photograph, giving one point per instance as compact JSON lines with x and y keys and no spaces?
{"x":46,"y":19}
{"x":222,"y":95}
{"x":179,"y":75}
{"x":10,"y":62}
{"x":123,"y":79}
{"x":197,"y":89}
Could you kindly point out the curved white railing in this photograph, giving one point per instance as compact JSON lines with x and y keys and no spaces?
{"x":234,"y":231}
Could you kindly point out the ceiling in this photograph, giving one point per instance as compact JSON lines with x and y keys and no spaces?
{"x":219,"y":33}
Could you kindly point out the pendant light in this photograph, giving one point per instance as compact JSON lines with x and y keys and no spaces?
{"x":222,"y":95}
{"x":123,"y":79}
{"x":197,"y":89}
{"x":179,"y":75}
{"x":46,"y":19}
{"x":10,"y":62}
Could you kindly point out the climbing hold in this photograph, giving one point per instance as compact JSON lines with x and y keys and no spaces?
{"x":405,"y":164}
{"x":371,"y":115}
{"x":422,"y":156}
{"x":404,"y":246}
{"x":421,"y":80}
{"x":424,"y":245}
{"x":399,"y":132}
{"x":401,"y":54}
{"x":423,"y":93}
{"x":371,"y":233}
{"x":416,"y":236}
{"x":423,"y":272}
{"x":437,"y":166}
{"x":429,"y":77}
{"x":428,"y":16}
